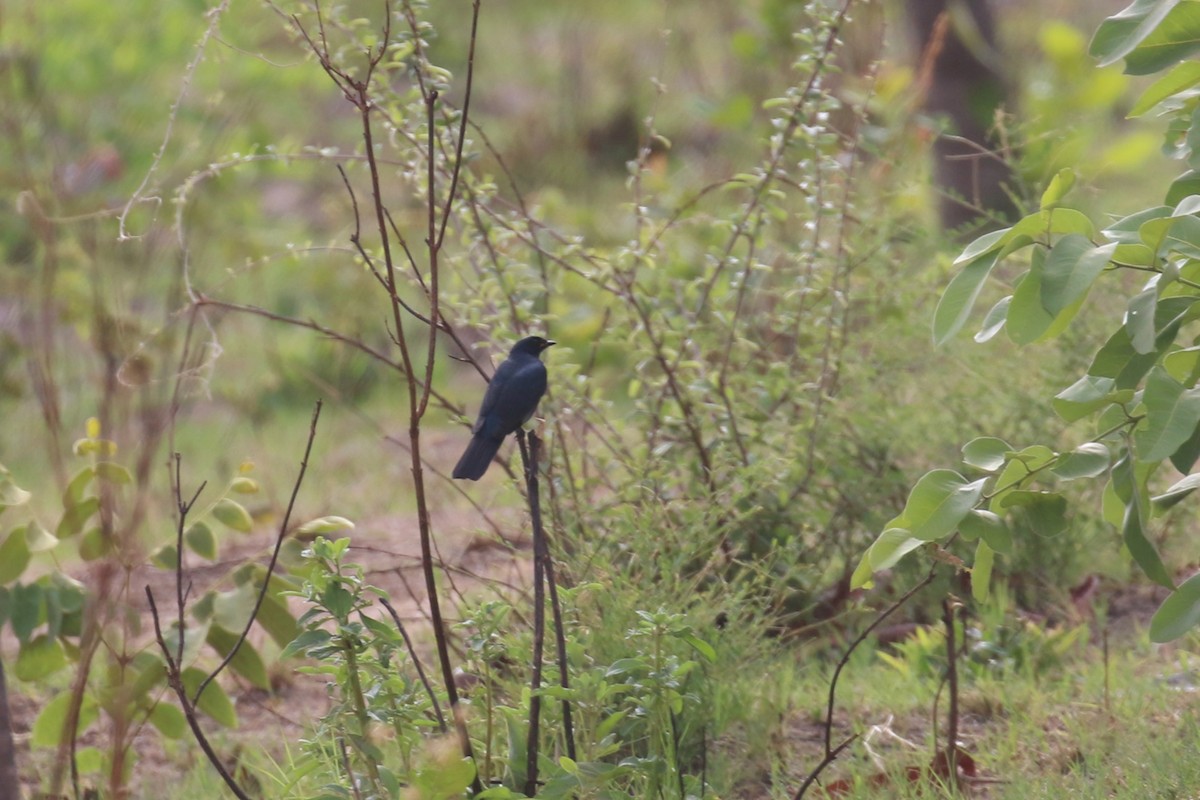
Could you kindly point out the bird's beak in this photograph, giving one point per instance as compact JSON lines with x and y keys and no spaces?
{"x":549,"y":343}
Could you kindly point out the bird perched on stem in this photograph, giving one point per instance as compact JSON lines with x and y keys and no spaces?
{"x":509,"y":402}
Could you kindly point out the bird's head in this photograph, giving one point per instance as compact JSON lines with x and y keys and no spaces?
{"x":532,"y":345}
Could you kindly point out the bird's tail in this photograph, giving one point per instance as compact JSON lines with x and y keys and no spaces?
{"x":477,"y":459}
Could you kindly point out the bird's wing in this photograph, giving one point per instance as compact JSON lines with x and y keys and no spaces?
{"x":512,"y":396}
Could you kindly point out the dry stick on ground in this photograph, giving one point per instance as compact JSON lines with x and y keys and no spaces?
{"x":831,"y":752}
{"x":174,"y":662}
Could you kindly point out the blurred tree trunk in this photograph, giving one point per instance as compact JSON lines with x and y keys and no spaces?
{"x":964,"y":81}
{"x":10,"y":787}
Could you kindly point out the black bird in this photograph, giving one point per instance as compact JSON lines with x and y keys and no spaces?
{"x":509,"y":402}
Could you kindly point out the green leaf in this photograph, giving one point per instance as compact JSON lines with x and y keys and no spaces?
{"x":11,"y":494}
{"x":1125,"y":483}
{"x":113,"y":473}
{"x":276,"y":620}
{"x":1172,"y":414}
{"x":94,"y":544}
{"x":937,"y":503}
{"x":1176,"y":492}
{"x":165,"y":557}
{"x":244,"y":485}
{"x":14,"y":556}
{"x":40,"y":658}
{"x":168,"y":720}
{"x":986,"y":453}
{"x":1139,"y":321}
{"x":700,"y":646}
{"x":1088,"y":394}
{"x":38,"y":539}
{"x":1178,"y":614}
{"x":26,"y":610}
{"x":958,"y":299}
{"x":233,"y":515}
{"x":1045,"y":513}
{"x":1059,"y":185}
{"x":1183,"y":76}
{"x":981,"y":571}
{"x":993,"y":321}
{"x":246,"y":662}
{"x":990,"y":527}
{"x":307,"y":641}
{"x":1185,"y":185}
{"x":1185,"y":457}
{"x":892,"y":545}
{"x":199,"y":537}
{"x":1085,"y":461}
{"x":214,"y":702}
{"x":985,"y":244}
{"x":74,"y":517}
{"x":1070,"y":270}
{"x":323,"y":525}
{"x":48,"y":728}
{"x":1145,"y":35}
{"x":74,"y":491}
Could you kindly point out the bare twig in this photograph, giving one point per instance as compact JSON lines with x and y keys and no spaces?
{"x":412,"y":652}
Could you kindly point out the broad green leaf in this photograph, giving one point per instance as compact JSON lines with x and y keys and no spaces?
{"x":700,"y":646}
{"x":1130,"y":490}
{"x":214,"y":702}
{"x":1027,"y":319}
{"x":48,"y":728}
{"x":244,"y":485}
{"x":73,"y":518}
{"x":985,"y":244}
{"x":993,"y":321}
{"x":276,"y":620}
{"x":199,"y":537}
{"x":981,"y":571}
{"x":113,"y":473}
{"x":958,"y":299}
{"x":1139,"y":321}
{"x":233,"y":515}
{"x":323,"y":525}
{"x":1053,"y":221}
{"x":168,"y":720}
{"x":246,"y":662}
{"x":1059,"y":185}
{"x":14,"y":556}
{"x":990,"y":527}
{"x":1127,"y":229}
{"x":94,"y":544}
{"x":74,"y":491}
{"x":1172,"y":41}
{"x":1085,"y":461}
{"x":892,"y":545}
{"x":937,"y":503}
{"x":986,"y":453}
{"x":1183,"y":365}
{"x":1070,"y":270}
{"x":1086,"y":395}
{"x":1178,"y":614}
{"x":1185,"y":457}
{"x":26,"y":609}
{"x":305,"y":642}
{"x":165,"y":557}
{"x":1119,"y":34}
{"x":11,"y":494}
{"x":1176,"y":492}
{"x":1142,"y":550}
{"x":1172,"y":414}
{"x":1183,"y":76}
{"x":1185,"y":185}
{"x":1044,"y":512}
{"x":1016,"y":475}
{"x":40,"y":658}
{"x":38,"y":539}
